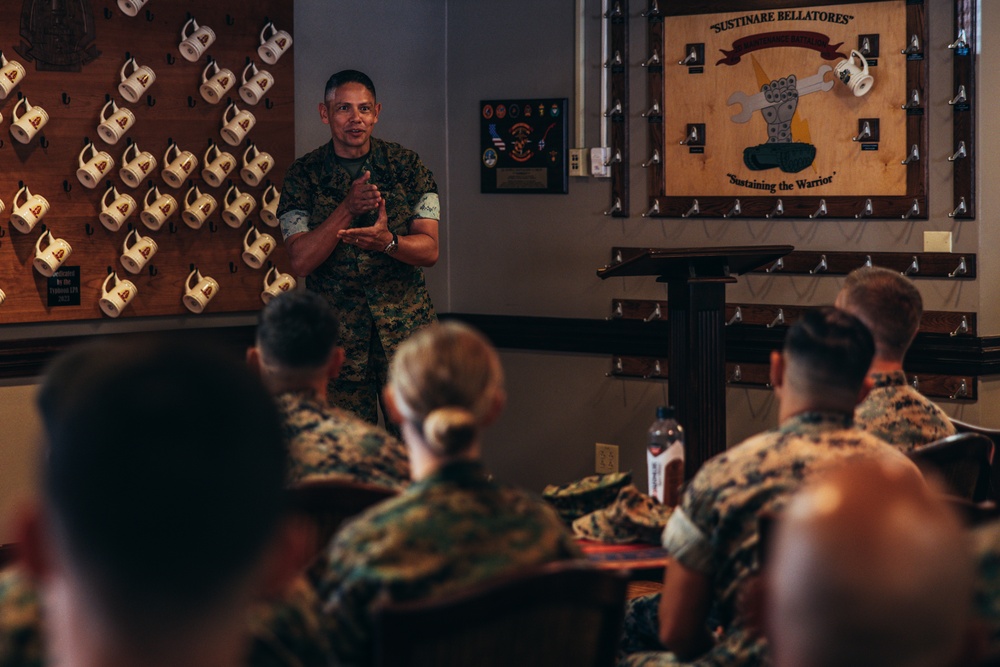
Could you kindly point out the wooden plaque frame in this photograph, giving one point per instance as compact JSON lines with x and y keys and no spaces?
{"x":912,"y":204}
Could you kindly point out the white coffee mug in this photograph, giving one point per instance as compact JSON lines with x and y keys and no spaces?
{"x":855,"y":75}
{"x":136,"y":82}
{"x":255,"y":84}
{"x":114,"y":298}
{"x":157,"y":211}
{"x":131,"y":7}
{"x":136,"y":254}
{"x":195,"y":42}
{"x":26,"y":215}
{"x":197,"y":207}
{"x":257,"y":247}
{"x":269,"y":206}
{"x":276,"y":283}
{"x":138,"y":165}
{"x":115,"y":122}
{"x":92,"y":170}
{"x":256,"y":165}
{"x":114,"y":213}
{"x":218,"y":165}
{"x":11,"y":73}
{"x":52,"y":255}
{"x":214,"y":86}
{"x":236,"y":125}
{"x":238,"y":206}
{"x":198,"y":291}
{"x":178,"y":165}
{"x":3,"y":297}
{"x":29,"y":122}
{"x":273,"y":43}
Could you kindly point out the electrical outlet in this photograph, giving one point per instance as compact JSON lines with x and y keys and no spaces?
{"x":578,"y":162}
{"x":605,"y":458}
{"x":937,"y":241}
{"x":599,"y":167}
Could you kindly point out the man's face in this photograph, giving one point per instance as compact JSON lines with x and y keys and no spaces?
{"x":351,"y":113}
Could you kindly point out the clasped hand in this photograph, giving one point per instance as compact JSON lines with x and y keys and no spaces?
{"x":374,"y":238}
{"x":363,"y":196}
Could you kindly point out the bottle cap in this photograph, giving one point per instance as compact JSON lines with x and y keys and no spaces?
{"x":665,"y":412}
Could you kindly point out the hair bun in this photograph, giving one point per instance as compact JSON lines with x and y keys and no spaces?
{"x":450,"y":429}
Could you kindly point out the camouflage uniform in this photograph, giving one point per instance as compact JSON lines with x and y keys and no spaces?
{"x":447,"y":531}
{"x":325,"y":442}
{"x":286,"y":633}
{"x":901,"y":415}
{"x":380,"y":300}
{"x":714,"y":530}
{"x":632,"y":517}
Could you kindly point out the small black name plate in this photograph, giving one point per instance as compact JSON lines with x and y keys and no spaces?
{"x":64,"y":287}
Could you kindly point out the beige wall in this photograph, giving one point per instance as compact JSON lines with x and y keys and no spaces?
{"x":18,"y":452}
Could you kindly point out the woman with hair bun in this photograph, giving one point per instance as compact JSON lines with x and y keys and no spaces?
{"x":453,"y":526}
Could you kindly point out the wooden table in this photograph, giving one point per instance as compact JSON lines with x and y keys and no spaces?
{"x":643,"y":562}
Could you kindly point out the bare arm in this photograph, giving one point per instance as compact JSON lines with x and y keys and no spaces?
{"x":683,"y":611}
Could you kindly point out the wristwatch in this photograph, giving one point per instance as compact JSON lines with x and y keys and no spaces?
{"x":393,"y":245}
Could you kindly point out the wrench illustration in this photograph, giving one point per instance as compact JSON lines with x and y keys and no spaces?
{"x":751,"y":103}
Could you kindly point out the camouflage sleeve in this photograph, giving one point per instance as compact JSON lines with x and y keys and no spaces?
{"x":397,"y":460}
{"x":294,"y":222}
{"x":686,"y":543}
{"x":296,"y":203}
{"x":429,"y":207}
{"x":567,"y":545}
{"x":347,"y":597}
{"x":422,"y":190}
{"x":290,"y":632}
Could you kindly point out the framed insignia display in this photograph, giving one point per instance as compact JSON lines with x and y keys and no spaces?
{"x":523,"y":146}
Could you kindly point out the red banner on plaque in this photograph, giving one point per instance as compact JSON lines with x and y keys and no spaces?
{"x":786,"y":38}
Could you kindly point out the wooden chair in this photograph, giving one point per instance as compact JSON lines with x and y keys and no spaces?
{"x":564,"y":613}
{"x":963,"y":461}
{"x":994,"y":435}
{"x":327,"y":503}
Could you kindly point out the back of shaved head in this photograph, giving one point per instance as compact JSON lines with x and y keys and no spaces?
{"x":868,"y":568}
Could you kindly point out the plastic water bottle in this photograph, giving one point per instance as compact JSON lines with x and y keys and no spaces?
{"x":665,"y":457}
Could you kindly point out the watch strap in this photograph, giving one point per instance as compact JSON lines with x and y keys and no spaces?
{"x":393,"y":245}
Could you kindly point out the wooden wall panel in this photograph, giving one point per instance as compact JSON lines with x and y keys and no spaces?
{"x":173,"y":110}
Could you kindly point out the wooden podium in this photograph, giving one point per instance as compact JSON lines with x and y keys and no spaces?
{"x":696,"y":299}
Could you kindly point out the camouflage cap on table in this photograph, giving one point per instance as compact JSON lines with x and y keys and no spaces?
{"x":585,"y":495}
{"x":633,"y":517}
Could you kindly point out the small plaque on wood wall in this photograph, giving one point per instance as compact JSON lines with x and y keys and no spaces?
{"x":64,"y":287}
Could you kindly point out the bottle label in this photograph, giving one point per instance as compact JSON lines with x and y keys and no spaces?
{"x":657,"y":467}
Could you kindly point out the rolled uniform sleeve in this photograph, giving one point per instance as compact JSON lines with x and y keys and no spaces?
{"x":687,"y":544}
{"x":296,"y":201}
{"x":294,"y":222}
{"x":428,"y":207}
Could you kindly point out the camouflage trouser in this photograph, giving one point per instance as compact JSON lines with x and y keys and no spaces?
{"x":640,"y":643}
{"x":364,"y":397}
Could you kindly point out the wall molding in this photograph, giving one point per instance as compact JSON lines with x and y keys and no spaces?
{"x":931,"y":353}
{"x":27,"y":358}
